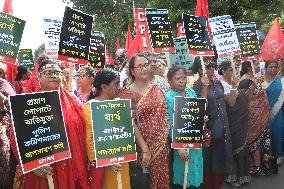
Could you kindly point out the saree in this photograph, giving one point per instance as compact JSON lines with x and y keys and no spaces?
{"x":154,"y":128}
{"x":195,"y":164}
{"x":261,"y":158}
{"x":238,"y":123}
{"x":275,"y":94}
{"x":7,"y":165}
{"x":101,"y":177}
{"x":70,"y":173}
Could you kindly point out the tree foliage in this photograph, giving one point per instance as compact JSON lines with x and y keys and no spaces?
{"x":112,"y":16}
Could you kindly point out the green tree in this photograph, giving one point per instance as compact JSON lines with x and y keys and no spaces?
{"x":112,"y":16}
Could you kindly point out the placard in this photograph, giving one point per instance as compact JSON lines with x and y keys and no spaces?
{"x":188,"y":122}
{"x":142,"y":29}
{"x":181,"y":58}
{"x":113,"y":132}
{"x":197,"y":35}
{"x":248,"y":40}
{"x":224,"y":36}
{"x":25,"y":57}
{"x":52,"y":30}
{"x":11,"y":31}
{"x":75,"y":37}
{"x":160,"y":30}
{"x":39,"y":129}
{"x":97,"y":55}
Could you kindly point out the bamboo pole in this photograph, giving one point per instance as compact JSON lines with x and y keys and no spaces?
{"x":119,"y":180}
{"x":185,"y":172}
{"x":50,"y":181}
{"x":71,"y":68}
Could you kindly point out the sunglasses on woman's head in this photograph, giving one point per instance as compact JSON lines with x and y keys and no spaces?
{"x":51,"y":73}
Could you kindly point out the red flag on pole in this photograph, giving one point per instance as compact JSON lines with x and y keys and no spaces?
{"x":134,"y":47}
{"x":8,"y":7}
{"x":202,"y":10}
{"x":117,"y":44}
{"x":273,"y":45}
{"x":128,"y":38}
{"x":9,"y":10}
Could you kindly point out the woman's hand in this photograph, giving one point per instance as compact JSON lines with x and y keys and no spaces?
{"x":116,"y":168}
{"x":146,"y":157}
{"x":183,"y":154}
{"x":235,"y":82}
{"x":206,"y":119}
{"x":43,"y":171}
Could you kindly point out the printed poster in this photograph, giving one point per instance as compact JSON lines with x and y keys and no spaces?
{"x":25,"y":57}
{"x":52,"y":30}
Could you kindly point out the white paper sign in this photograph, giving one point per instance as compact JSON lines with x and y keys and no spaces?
{"x":224,"y":36}
{"x":52,"y":30}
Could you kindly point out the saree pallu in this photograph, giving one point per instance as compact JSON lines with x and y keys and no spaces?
{"x":275,"y":93}
{"x":70,"y":173}
{"x":238,"y":123}
{"x":261,"y":158}
{"x":154,"y":127}
{"x":7,"y":160}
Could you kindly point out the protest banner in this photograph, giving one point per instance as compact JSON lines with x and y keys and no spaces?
{"x":141,"y":26}
{"x":25,"y":57}
{"x":188,"y":122}
{"x":197,"y":35}
{"x":160,"y":30}
{"x":97,"y":54}
{"x":248,"y":40}
{"x":39,"y":129}
{"x":181,"y":57}
{"x":75,"y":37}
{"x":52,"y":29}
{"x":224,"y":36}
{"x":113,"y":132}
{"x":11,"y":31}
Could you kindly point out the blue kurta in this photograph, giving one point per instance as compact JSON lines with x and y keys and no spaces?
{"x":195,"y":164}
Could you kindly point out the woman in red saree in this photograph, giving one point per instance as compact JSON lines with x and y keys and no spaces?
{"x":153,"y":121}
{"x":70,"y":173}
{"x":23,"y":74}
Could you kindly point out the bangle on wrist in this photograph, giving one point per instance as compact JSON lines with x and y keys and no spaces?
{"x":233,"y":89}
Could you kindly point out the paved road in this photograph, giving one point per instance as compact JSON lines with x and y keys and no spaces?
{"x":264,"y":182}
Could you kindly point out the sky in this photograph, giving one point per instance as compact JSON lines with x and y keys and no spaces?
{"x":33,"y":12}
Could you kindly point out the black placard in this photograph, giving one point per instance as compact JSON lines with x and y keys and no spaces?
{"x":75,"y":36}
{"x":248,"y":40}
{"x":160,"y":30}
{"x":197,"y":35}
{"x":188,"y":122}
{"x":39,"y":129}
{"x":97,"y":56}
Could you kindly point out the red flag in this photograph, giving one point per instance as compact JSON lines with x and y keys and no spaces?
{"x":117,"y":44}
{"x":134,"y":47}
{"x":128,"y":38}
{"x":9,"y":73}
{"x":180,"y":31}
{"x":273,"y":45}
{"x":8,"y":7}
{"x":202,"y":10}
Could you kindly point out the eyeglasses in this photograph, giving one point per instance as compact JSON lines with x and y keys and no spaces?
{"x":51,"y":73}
{"x":141,"y":66}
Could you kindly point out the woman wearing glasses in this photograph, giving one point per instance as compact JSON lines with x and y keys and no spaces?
{"x":84,"y":80}
{"x":70,"y":173}
{"x":148,"y":104}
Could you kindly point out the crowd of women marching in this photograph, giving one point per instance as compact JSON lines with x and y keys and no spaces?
{"x":242,"y":136}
